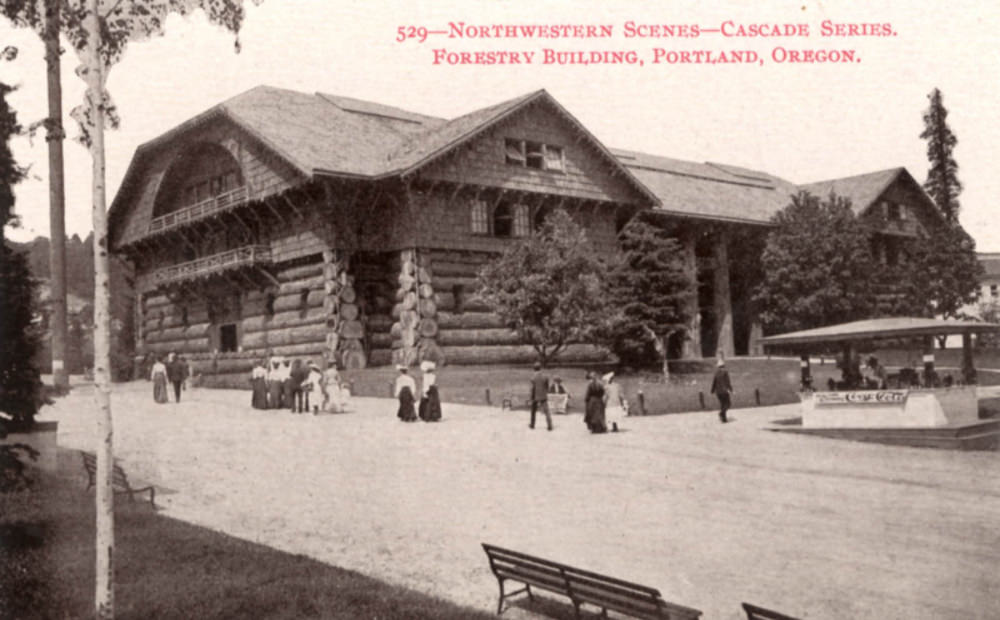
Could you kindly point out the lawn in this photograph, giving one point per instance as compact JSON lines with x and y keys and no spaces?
{"x":757,"y":382}
{"x":169,"y":569}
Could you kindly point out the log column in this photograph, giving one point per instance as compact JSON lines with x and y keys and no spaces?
{"x":692,"y":340}
{"x":345,"y":330}
{"x":427,"y":329}
{"x":405,"y":329}
{"x":721,"y":300}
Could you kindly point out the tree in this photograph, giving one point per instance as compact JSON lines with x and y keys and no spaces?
{"x":549,"y":287}
{"x":942,"y":273}
{"x":942,"y":178}
{"x":815,"y":265}
{"x":651,"y":286}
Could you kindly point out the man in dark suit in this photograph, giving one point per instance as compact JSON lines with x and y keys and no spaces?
{"x":540,"y":396}
{"x":177,"y":372}
{"x":722,"y":387}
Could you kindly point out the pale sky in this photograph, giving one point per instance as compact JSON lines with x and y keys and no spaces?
{"x":802,"y":122}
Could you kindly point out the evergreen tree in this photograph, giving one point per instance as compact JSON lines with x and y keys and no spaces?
{"x":650,"y":286}
{"x":816,"y":266}
{"x":942,"y":178}
{"x":549,"y":287}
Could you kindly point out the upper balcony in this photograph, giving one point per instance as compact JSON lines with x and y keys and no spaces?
{"x":199,"y":211}
{"x":213,"y":265}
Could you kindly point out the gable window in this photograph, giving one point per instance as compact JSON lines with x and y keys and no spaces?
{"x":480,"y":218}
{"x":537,"y":155}
{"x":892,"y":211}
{"x":994,"y":293}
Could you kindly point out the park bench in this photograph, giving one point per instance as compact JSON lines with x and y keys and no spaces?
{"x":581,"y":586}
{"x":759,"y":613}
{"x":119,"y":481}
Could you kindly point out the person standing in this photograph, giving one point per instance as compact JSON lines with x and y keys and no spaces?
{"x":158,"y":374}
{"x":177,"y":373}
{"x":593,"y":416}
{"x":296,"y":375}
{"x":406,"y":387}
{"x":258,"y":382}
{"x":287,"y":391}
{"x":315,"y":382}
{"x":722,"y":388}
{"x":430,"y":402}
{"x":274,"y":383}
{"x":540,"y":396}
{"x":614,"y":409}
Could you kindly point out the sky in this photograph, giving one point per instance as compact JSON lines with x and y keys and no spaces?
{"x":800,"y":121}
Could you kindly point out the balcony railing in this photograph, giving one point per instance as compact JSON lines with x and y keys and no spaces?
{"x":199,"y":210}
{"x":215,"y":264}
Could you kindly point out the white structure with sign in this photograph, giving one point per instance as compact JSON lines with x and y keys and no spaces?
{"x":924,"y":408}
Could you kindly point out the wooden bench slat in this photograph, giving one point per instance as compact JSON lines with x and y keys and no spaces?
{"x":119,"y":481}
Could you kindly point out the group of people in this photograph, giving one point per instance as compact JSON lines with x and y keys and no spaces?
{"x":605,"y":406}
{"x":283,"y":383}
{"x":173,"y":371}
{"x":428,"y":408}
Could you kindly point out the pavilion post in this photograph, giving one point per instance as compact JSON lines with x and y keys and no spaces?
{"x":806,"y":373}
{"x":930,"y":377}
{"x":721,"y":294}
{"x":968,"y":366}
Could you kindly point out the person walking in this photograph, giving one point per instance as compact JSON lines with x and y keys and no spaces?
{"x":177,"y":373}
{"x":593,"y":415}
{"x":722,"y":387}
{"x":614,"y":403}
{"x":258,"y":382}
{"x":540,"y":396}
{"x":430,"y":402}
{"x":406,"y":387}
{"x":158,"y":374}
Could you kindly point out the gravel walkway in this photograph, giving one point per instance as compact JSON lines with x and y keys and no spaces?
{"x":710,"y":514}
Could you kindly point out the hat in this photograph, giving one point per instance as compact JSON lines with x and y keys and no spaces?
{"x":401,"y":367}
{"x":427,"y":366}
{"x":608,"y":377}
{"x":721,"y":363}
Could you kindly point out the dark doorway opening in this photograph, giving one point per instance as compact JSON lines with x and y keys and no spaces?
{"x":227,"y":338}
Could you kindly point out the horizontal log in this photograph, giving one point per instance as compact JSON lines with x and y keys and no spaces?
{"x":468,"y":284}
{"x":294,"y":286}
{"x":449,"y":320}
{"x":380,"y":341}
{"x":193,"y":345}
{"x":380,"y":357}
{"x":300,"y":271}
{"x":294,"y":300}
{"x":454,"y":270}
{"x":521,"y":354}
{"x":282,"y":320}
{"x":352,"y":329}
{"x":178,"y":333}
{"x":379,"y":323}
{"x":291,"y":335}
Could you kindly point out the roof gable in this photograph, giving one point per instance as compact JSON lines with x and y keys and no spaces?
{"x":865,"y":190}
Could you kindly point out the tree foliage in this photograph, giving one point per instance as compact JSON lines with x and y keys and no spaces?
{"x":650,"y":288}
{"x":10,"y":172}
{"x":942,"y":178}
{"x":942,"y":273}
{"x":816,"y":266}
{"x":550,"y":287}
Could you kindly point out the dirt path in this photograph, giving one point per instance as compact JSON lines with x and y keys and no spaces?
{"x":711,"y":515}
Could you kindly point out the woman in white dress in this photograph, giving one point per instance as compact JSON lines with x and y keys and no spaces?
{"x":615,"y":407}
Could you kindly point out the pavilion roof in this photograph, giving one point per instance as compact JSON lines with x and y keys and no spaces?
{"x":880,"y":329}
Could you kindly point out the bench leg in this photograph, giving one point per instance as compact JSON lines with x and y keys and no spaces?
{"x":500,"y":602}
{"x":527,"y":588}
{"x":152,"y":497}
{"x":576,"y":608}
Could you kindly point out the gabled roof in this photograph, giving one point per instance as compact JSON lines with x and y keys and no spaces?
{"x":865,"y":189}
{"x":709,"y":190}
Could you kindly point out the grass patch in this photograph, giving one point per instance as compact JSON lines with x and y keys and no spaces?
{"x":170,"y":569}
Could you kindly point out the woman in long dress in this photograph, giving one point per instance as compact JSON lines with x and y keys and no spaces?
{"x":258,"y":381}
{"x":406,"y":387}
{"x":158,"y":374}
{"x":275,"y":378}
{"x":430,"y":402}
{"x":614,"y":411}
{"x":594,"y":416}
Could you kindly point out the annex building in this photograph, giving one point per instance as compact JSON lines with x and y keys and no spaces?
{"x":319,"y":225}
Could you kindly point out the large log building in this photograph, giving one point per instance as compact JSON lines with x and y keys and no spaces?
{"x":318,"y":225}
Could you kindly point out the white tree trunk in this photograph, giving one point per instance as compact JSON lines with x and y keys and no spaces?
{"x":105,"y":544}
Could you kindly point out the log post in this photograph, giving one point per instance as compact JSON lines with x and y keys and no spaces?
{"x":345,"y":330}
{"x":415,"y":329}
{"x":692,"y":340}
{"x":968,"y":367}
{"x":721,"y":294}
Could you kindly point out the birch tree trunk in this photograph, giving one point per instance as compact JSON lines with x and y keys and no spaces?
{"x":105,"y":544}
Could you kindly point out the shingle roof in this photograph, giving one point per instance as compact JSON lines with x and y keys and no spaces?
{"x":862,"y":189}
{"x":709,"y":190}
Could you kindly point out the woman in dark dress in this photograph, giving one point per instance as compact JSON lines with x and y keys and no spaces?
{"x":258,"y":380}
{"x":594,"y":416}
{"x":406,"y":387}
{"x":430,"y":401}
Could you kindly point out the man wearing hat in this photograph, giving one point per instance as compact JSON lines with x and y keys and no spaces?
{"x":177,"y":372}
{"x":722,"y":388}
{"x":540,"y":396}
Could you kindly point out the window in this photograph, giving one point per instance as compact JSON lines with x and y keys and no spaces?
{"x":503,"y":220}
{"x":537,"y":155}
{"x":303,"y":301}
{"x":993,"y":291}
{"x":522,"y":221}
{"x":892,"y":211}
{"x":184,"y":316}
{"x":227,"y":338}
{"x":480,"y":219}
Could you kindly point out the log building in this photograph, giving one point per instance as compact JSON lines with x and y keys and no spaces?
{"x":317,"y":225}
